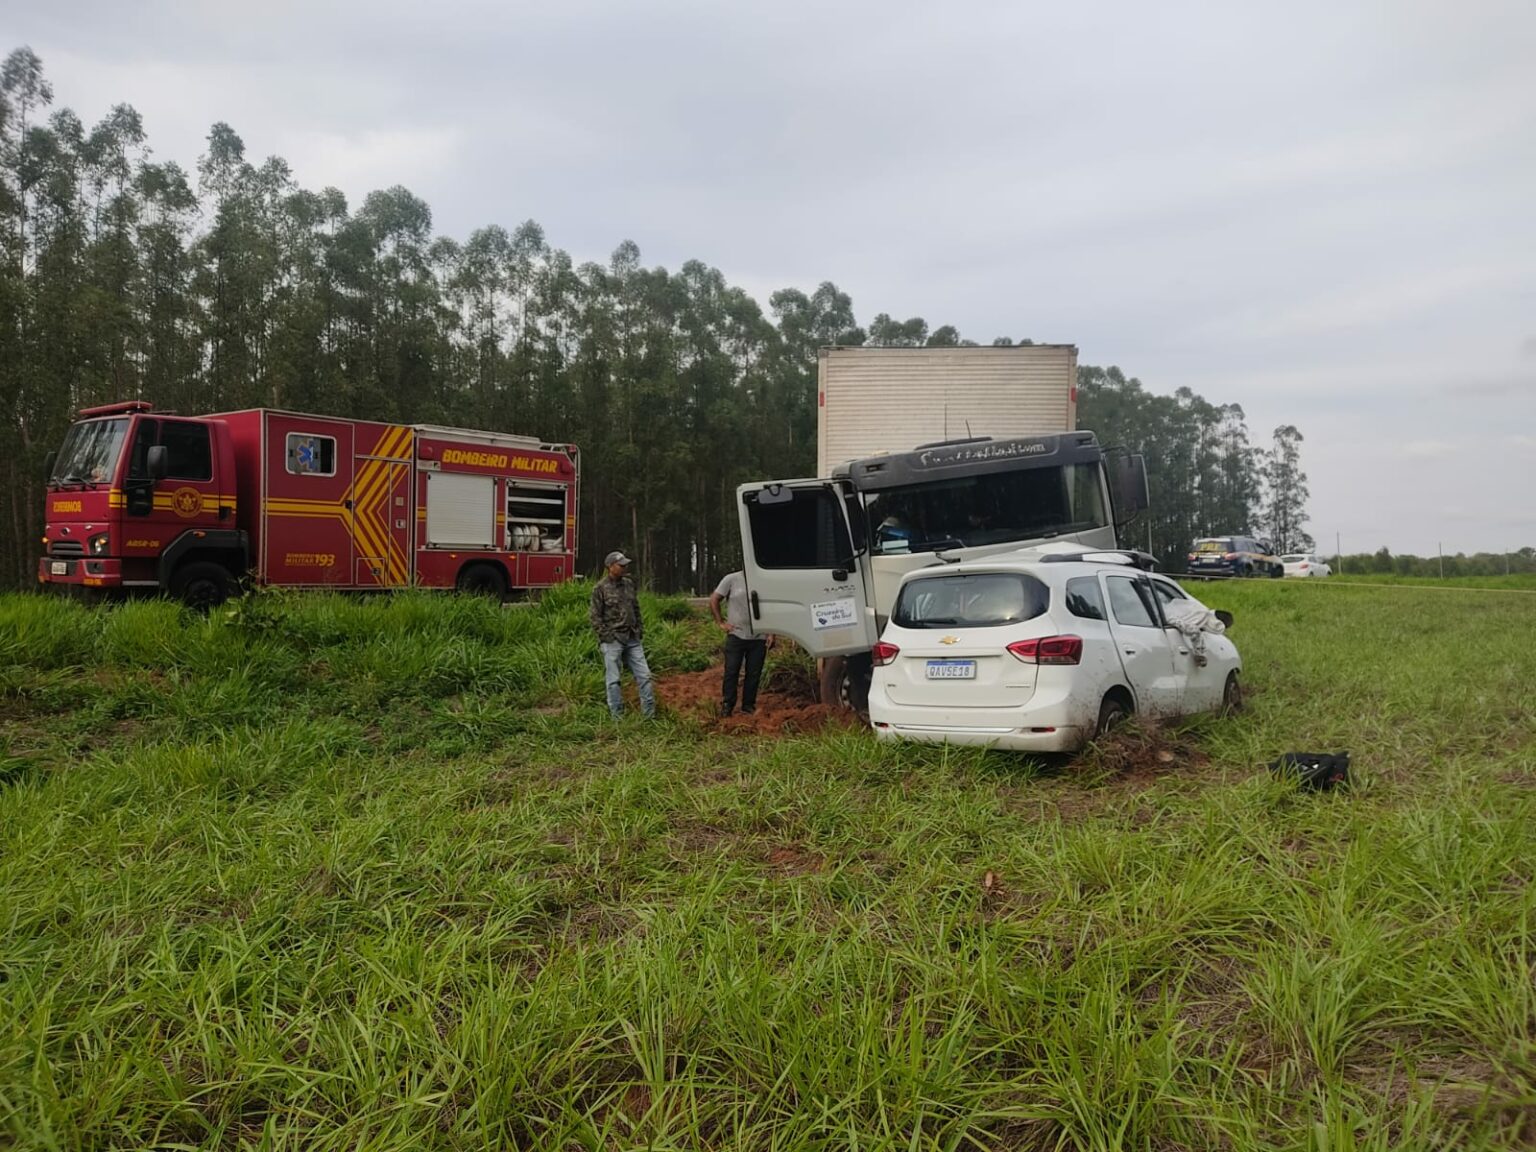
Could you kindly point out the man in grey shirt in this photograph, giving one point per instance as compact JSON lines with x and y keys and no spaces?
{"x":741,"y":646}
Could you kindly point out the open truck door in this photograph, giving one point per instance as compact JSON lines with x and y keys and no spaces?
{"x":806,"y":568}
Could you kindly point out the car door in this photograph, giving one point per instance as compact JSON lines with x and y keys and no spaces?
{"x":1145,"y":651}
{"x":1202,"y":684}
{"x":806,"y":579}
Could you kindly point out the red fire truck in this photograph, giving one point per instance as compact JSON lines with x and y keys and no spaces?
{"x":193,"y":504}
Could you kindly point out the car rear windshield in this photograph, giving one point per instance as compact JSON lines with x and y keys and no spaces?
{"x":979,"y":600}
{"x":1220,"y":544}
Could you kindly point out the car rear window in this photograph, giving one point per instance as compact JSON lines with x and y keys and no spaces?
{"x":1220,"y":544}
{"x":979,"y":600}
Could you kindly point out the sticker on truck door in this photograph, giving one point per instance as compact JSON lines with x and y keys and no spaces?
{"x":835,"y":614}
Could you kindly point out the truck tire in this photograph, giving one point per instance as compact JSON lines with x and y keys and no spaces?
{"x":844,"y":682}
{"x":483,"y":580}
{"x":201,"y":585}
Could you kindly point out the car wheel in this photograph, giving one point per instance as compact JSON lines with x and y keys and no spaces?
{"x":1113,"y":712}
{"x":1232,"y":695}
{"x":201,"y":586}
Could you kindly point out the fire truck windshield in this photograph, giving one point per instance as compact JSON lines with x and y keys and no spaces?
{"x":90,"y":452}
{"x":995,"y":508}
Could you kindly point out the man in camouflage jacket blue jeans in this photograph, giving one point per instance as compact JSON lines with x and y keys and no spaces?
{"x":615,"y":616}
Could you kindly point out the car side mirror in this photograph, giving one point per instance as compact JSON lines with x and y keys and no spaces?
{"x":1224,"y":616}
{"x":157,"y":461}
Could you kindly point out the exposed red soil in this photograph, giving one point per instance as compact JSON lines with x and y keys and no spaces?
{"x":786,"y":702}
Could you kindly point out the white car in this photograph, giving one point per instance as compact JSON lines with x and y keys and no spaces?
{"x":1304,"y":566}
{"x":1041,"y":653}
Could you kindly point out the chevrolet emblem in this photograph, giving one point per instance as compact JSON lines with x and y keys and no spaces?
{"x":949,"y":639}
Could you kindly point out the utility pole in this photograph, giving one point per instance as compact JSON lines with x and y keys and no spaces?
{"x":1338,"y":553}
{"x":1441,"y":548}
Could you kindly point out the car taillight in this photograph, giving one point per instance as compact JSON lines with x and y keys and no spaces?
{"x":1230,"y":556}
{"x":884,"y":653}
{"x":1049,"y":650}
{"x":1303,"y":567}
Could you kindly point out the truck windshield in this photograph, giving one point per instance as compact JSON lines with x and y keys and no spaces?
{"x":90,"y":452}
{"x":993,"y":508}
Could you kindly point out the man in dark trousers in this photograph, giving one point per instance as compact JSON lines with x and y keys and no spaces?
{"x":615,"y":616}
{"x":741,"y":646}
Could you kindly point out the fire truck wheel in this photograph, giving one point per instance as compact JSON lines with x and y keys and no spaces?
{"x":483,"y":580}
{"x":201,"y":586}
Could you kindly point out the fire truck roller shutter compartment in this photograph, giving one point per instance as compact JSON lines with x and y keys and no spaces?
{"x":461,"y":510}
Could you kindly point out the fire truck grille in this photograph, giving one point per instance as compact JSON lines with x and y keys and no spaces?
{"x":66,"y":548}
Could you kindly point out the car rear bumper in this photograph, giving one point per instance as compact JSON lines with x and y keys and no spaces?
{"x":1006,"y":739}
{"x":1056,"y":719}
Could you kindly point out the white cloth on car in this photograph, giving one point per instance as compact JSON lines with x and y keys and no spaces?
{"x":1193,"y":621}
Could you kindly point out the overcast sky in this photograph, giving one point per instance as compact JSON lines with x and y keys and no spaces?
{"x":1325,"y":212}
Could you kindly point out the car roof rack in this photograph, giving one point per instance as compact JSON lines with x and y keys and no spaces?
{"x":1142,"y":560}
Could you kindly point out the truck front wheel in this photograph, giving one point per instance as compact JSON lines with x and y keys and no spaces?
{"x":201,"y":586}
{"x":844,"y":681}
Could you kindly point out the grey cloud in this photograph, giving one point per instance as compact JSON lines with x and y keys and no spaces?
{"x":1318,"y":211}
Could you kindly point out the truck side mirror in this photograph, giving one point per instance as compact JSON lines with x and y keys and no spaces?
{"x":156,"y":462}
{"x":1128,"y":486}
{"x":48,"y":463}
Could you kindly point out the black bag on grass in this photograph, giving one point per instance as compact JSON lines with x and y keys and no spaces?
{"x":1314,"y":771}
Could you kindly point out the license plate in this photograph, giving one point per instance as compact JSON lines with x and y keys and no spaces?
{"x":951,"y":669}
{"x":59,"y":568}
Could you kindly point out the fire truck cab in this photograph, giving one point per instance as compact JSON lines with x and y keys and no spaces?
{"x":194,"y":505}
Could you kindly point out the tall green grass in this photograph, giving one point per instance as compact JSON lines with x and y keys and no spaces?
{"x":381,"y":873}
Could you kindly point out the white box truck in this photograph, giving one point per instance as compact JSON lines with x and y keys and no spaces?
{"x":926,"y":455}
{"x":871,"y":401}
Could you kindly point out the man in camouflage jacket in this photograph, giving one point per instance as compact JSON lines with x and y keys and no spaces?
{"x":615,"y":616}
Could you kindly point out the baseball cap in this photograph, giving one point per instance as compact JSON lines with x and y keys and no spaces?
{"x":616,"y":558}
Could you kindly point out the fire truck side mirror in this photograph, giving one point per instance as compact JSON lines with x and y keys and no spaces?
{"x":48,"y":462}
{"x":156,"y":462}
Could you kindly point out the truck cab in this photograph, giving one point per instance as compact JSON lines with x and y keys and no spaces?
{"x":140,"y":499}
{"x":823,"y":557}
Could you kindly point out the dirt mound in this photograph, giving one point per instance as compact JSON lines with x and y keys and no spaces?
{"x":786,"y":702}
{"x":1139,"y":751}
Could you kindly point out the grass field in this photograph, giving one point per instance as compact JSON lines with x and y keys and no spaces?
{"x":1517,"y":581}
{"x":380,"y":874}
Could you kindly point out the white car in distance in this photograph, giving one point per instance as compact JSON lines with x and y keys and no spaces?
{"x":1040,"y":653}
{"x":1302,"y":565}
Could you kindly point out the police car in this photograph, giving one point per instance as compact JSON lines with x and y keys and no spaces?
{"x":1233,"y":556}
